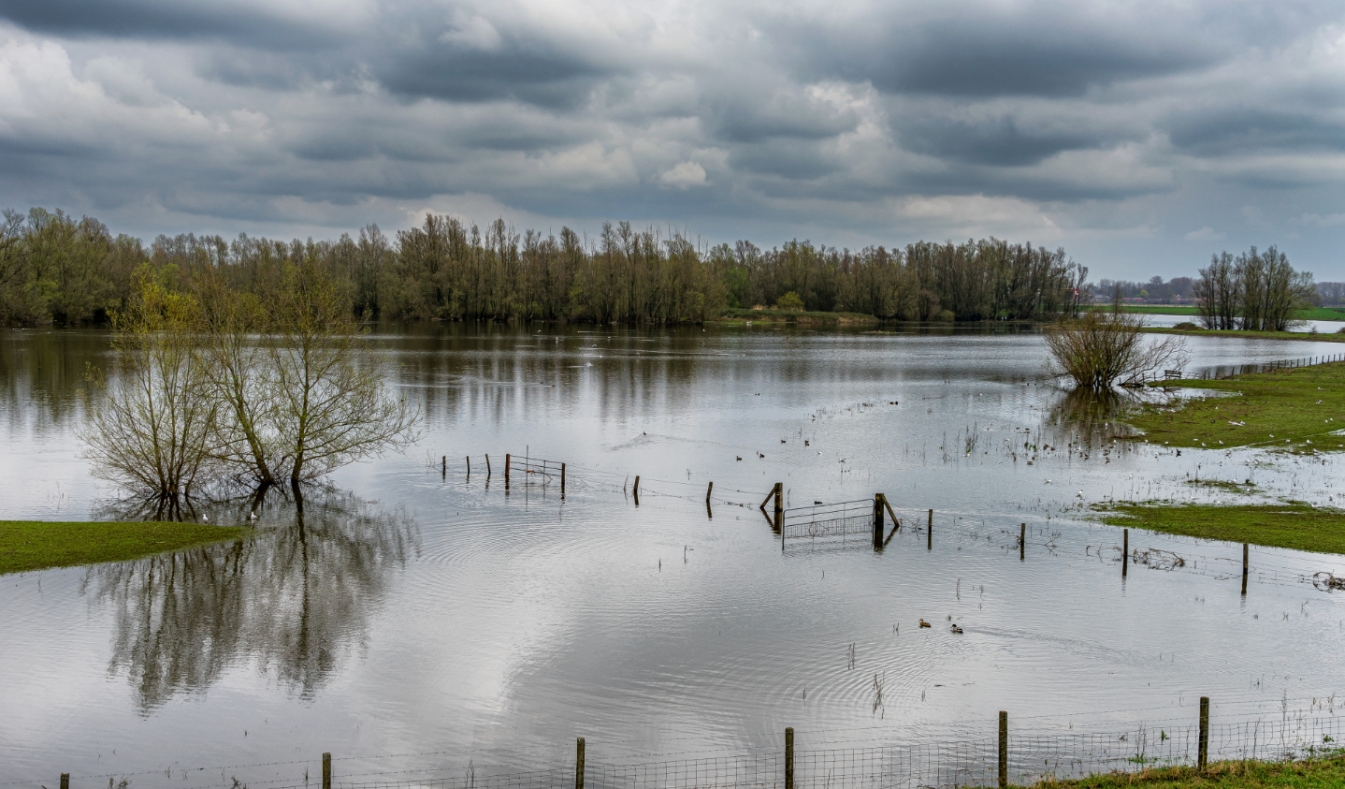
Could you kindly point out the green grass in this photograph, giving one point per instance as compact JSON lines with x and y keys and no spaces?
{"x":1295,"y":408}
{"x":1307,"y":774}
{"x":37,"y":545}
{"x":1292,"y":524}
{"x":772,"y":315}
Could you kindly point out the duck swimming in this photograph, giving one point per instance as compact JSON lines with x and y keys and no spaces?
{"x":923,"y":623}
{"x":956,"y":629}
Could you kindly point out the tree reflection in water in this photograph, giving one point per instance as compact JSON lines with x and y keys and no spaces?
{"x":1088,"y":417}
{"x":293,"y":599}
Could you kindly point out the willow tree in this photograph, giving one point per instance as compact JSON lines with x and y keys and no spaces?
{"x":1099,"y":351}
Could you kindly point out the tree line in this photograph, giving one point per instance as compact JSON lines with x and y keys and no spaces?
{"x":1255,"y":291}
{"x":55,"y":268}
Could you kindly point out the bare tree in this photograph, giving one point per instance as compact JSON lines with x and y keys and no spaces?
{"x":1217,"y":293}
{"x":330,"y":406}
{"x":1099,"y":351}
{"x":153,"y":428}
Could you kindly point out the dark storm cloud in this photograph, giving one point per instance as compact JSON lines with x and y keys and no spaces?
{"x":1231,"y":130}
{"x":724,"y":112}
{"x":996,"y":141}
{"x":164,"y":19}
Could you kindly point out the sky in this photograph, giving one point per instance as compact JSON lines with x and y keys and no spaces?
{"x":1142,"y":136}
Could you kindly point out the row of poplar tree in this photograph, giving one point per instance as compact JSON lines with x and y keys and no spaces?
{"x":56,"y":268}
{"x":1254,"y":291}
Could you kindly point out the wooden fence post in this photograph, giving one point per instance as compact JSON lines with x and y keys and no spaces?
{"x":1022,"y":542}
{"x":506,"y":471}
{"x":780,"y":506}
{"x":579,"y":764}
{"x":1125,"y":552}
{"x":326,"y":771}
{"x":789,"y":758}
{"x":65,"y":780}
{"x":1003,"y":749}
{"x":877,"y":521}
{"x":562,"y":480}
{"x":1203,"y":752}
{"x":469,"y":466}
{"x":636,"y":490}
{"x":710,"y":489}
{"x":487,"y":468}
{"x":1244,"y":569}
{"x":443,"y":468}
{"x":929,"y":532}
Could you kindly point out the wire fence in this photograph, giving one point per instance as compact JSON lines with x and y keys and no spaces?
{"x":1020,"y":756}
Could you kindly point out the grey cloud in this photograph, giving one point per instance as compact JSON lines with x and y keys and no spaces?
{"x":998,"y":141}
{"x":1229,"y":130}
{"x":164,"y":19}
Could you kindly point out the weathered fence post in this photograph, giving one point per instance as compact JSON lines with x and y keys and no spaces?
{"x":469,"y":466}
{"x":443,"y":467}
{"x":1022,"y":542}
{"x":326,"y":771}
{"x":562,"y":480}
{"x":1003,"y":749}
{"x":636,"y":490}
{"x":789,"y":757}
{"x":1244,"y":569}
{"x":877,"y":521}
{"x":708,"y":491}
{"x":929,"y":532}
{"x":1203,"y":752}
{"x":780,"y":506}
{"x":487,"y":468}
{"x":579,"y":764}
{"x":1125,"y":552}
{"x":65,"y":780}
{"x":506,"y":471}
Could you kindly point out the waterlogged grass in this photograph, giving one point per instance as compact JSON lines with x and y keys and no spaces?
{"x":1308,"y":774}
{"x":1298,"y":409}
{"x":37,"y":545}
{"x":1293,"y":524}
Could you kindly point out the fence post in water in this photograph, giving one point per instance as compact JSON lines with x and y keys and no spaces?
{"x":789,"y":757}
{"x":1203,"y":752}
{"x":562,"y":480}
{"x":487,"y":468}
{"x":1125,"y":551}
{"x":579,"y":764}
{"x":1003,"y":749}
{"x":326,"y":771}
{"x":443,"y":468}
{"x":1022,"y":541}
{"x":929,"y":532}
{"x":708,"y":490}
{"x":65,"y":780}
{"x":877,"y":521}
{"x":1244,"y":569}
{"x":780,"y":506}
{"x":469,"y":466}
{"x":636,"y":490}
{"x":506,"y":471}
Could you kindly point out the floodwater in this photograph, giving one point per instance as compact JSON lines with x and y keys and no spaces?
{"x":417,"y":620}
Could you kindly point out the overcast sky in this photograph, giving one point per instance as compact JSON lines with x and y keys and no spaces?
{"x":1140,"y":136}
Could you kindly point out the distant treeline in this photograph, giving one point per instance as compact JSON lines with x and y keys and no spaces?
{"x":55,"y":268}
{"x":1156,"y":290}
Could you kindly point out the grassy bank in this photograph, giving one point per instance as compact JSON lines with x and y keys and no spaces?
{"x":1310,"y":774}
{"x":1296,"y":336}
{"x":1314,"y":314}
{"x":37,"y":545}
{"x":1288,"y":525}
{"x":1294,"y":408}
{"x":739,"y":316}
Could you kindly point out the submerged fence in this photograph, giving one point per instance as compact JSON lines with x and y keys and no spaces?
{"x":1012,"y":755}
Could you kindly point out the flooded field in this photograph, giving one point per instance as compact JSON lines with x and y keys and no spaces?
{"x":418,"y":617}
